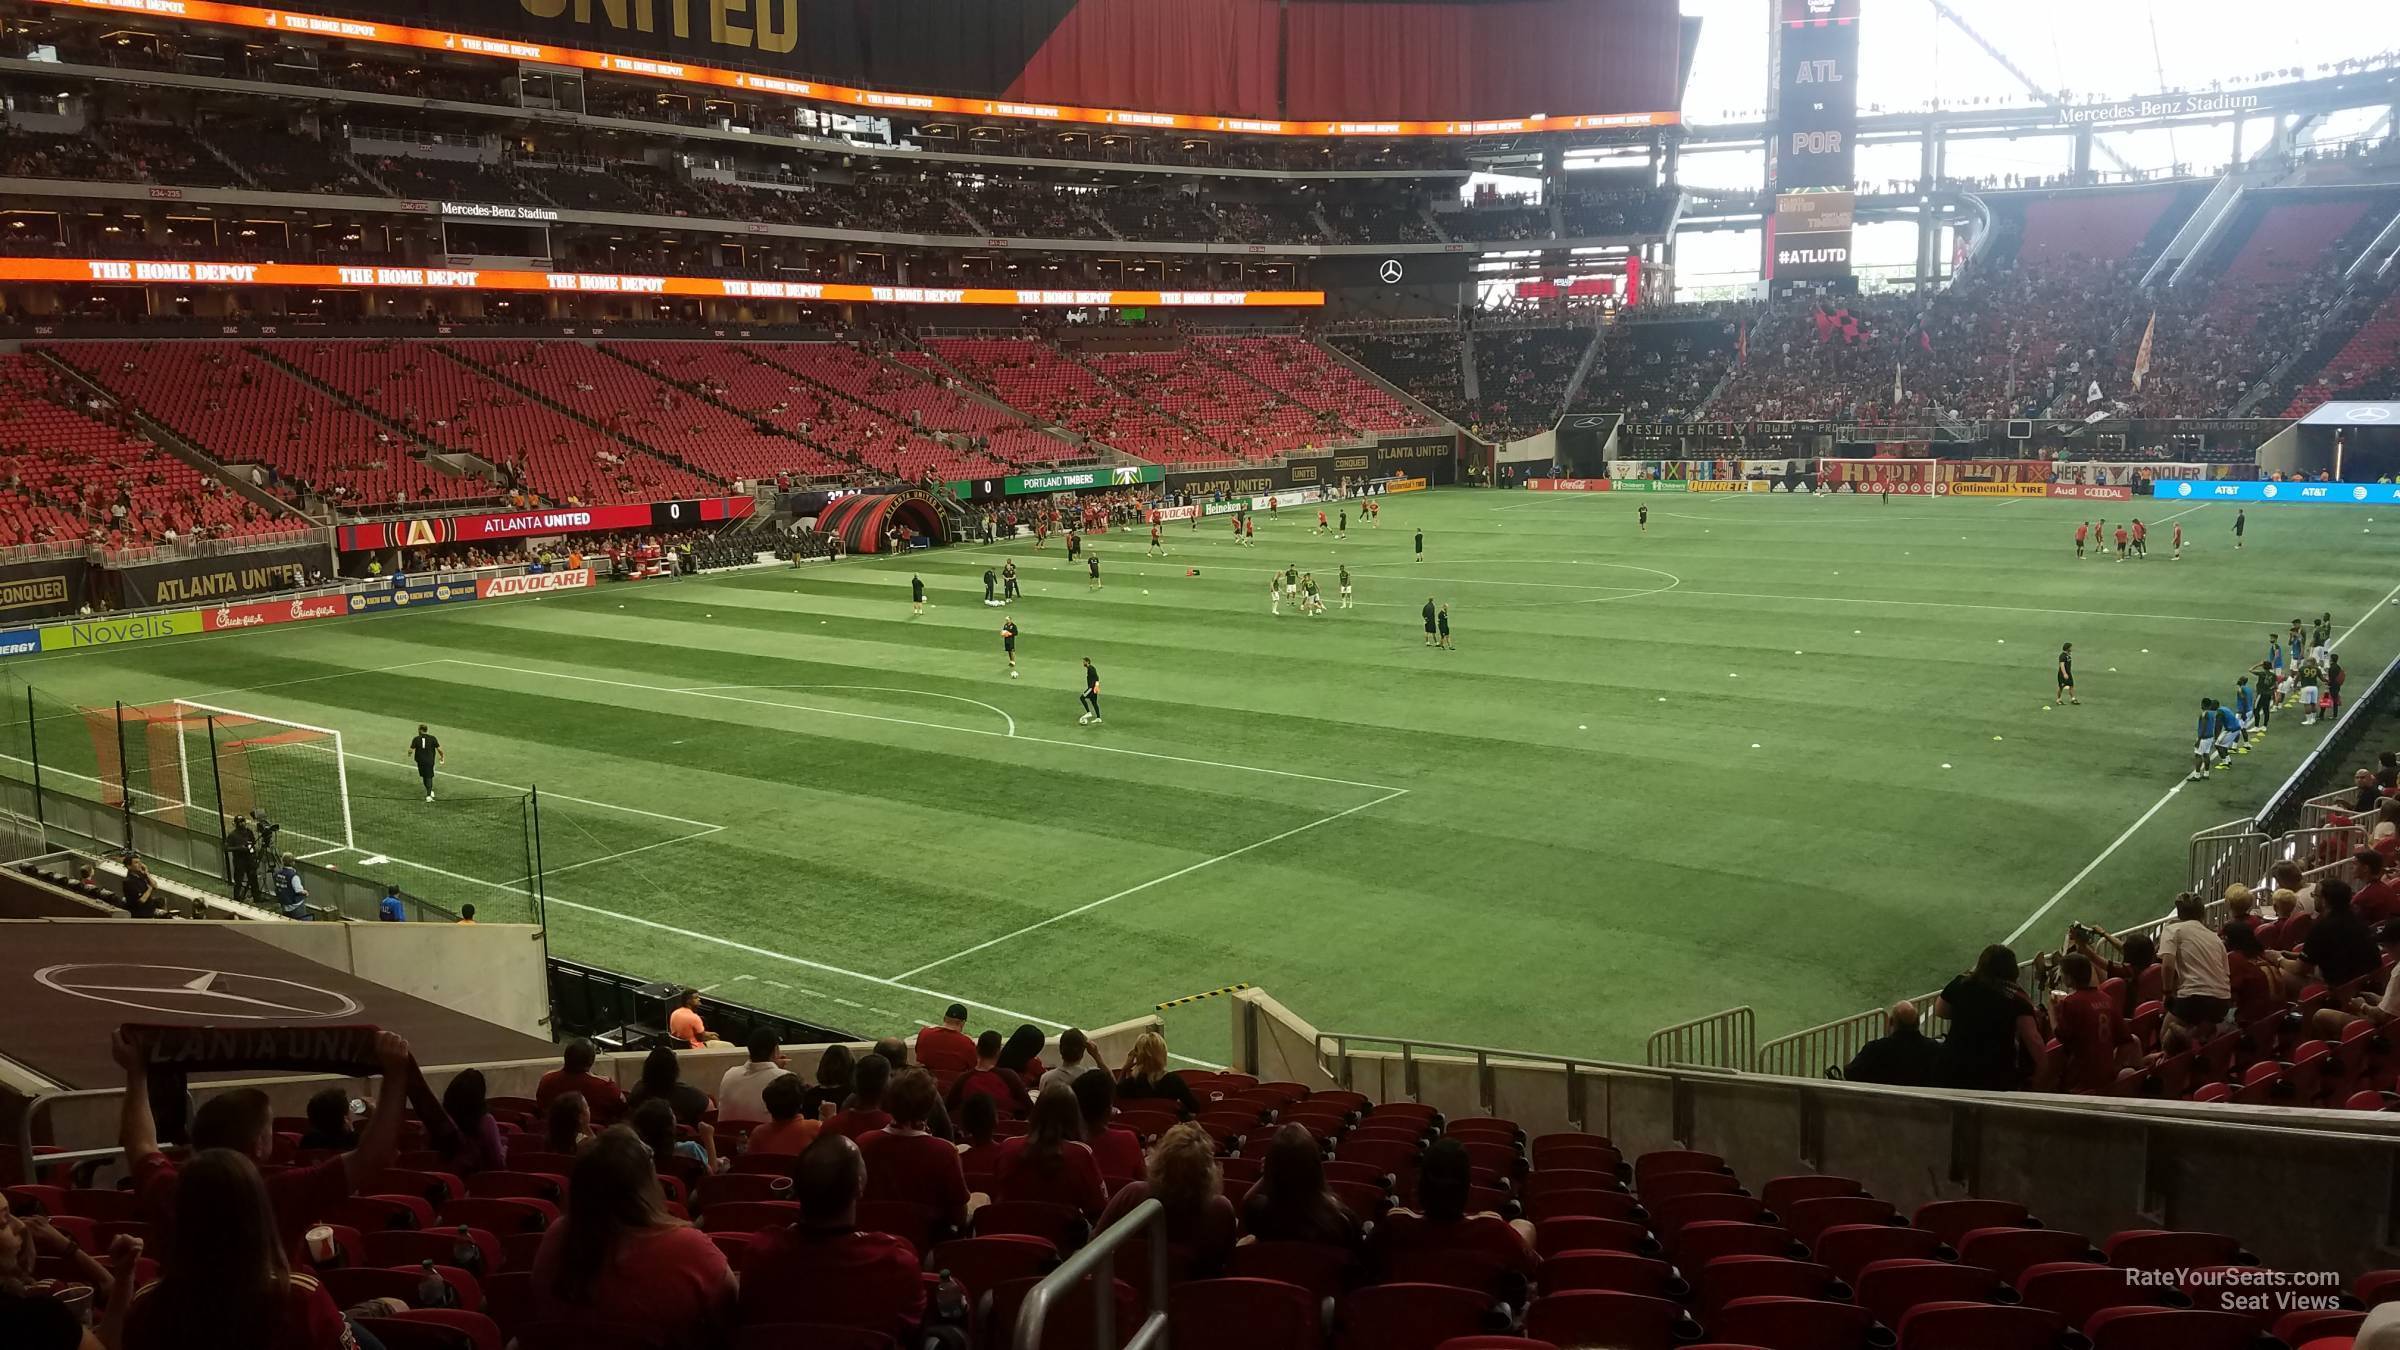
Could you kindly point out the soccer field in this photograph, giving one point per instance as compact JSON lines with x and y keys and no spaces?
{"x":1789,"y":752}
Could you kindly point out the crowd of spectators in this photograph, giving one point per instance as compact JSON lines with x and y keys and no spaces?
{"x":1428,"y":366}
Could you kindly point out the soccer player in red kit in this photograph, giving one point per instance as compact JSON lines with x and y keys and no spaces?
{"x":2120,"y":543}
{"x":2178,"y":541}
{"x":2080,"y":532}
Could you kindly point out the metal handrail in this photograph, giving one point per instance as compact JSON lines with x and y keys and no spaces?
{"x":1484,"y":1057}
{"x":1148,"y":1218}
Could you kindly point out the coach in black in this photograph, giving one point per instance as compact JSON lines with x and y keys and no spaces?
{"x":1091,"y":694}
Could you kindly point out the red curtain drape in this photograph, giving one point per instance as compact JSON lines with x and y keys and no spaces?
{"x":1190,"y":56}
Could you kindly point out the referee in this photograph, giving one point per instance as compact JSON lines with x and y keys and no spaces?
{"x":1091,"y":695}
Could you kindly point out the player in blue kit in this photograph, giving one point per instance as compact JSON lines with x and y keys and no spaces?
{"x":2244,"y":710}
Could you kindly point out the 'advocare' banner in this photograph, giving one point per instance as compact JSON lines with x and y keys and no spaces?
{"x":188,"y":581}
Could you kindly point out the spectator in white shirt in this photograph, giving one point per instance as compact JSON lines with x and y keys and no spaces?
{"x":2198,"y":986}
{"x":1072,"y":1060}
{"x":743,"y":1093}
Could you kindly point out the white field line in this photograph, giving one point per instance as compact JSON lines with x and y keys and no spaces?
{"x":559,"y":796}
{"x":861,"y":688}
{"x":932,"y":995}
{"x":2106,"y":853}
{"x":621,"y":853}
{"x":934,"y":726}
{"x":1953,"y":604}
{"x":1154,"y":881}
{"x":2184,"y":512}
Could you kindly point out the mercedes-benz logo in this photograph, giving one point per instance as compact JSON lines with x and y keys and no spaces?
{"x":195,"y":991}
{"x":1390,"y":271}
{"x":2366,"y":412}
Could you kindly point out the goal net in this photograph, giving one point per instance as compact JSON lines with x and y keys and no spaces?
{"x":1878,"y":475}
{"x":200,"y":765}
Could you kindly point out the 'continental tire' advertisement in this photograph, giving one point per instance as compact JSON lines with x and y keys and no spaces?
{"x":189,"y":581}
{"x":1996,"y":489}
{"x":44,"y":590}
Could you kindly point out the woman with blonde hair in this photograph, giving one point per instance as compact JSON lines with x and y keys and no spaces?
{"x":1184,"y":1177}
{"x":1146,"y":1075}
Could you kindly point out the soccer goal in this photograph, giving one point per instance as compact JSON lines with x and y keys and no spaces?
{"x":200,"y":765}
{"x":1915,"y":476}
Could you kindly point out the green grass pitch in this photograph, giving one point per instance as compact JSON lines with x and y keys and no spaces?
{"x":1794,"y":753}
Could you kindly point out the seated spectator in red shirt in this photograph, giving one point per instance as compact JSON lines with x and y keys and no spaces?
{"x":1440,"y":1222}
{"x":1291,"y":1202}
{"x":2241,"y":907}
{"x":789,"y":1130}
{"x":1183,"y":1176}
{"x":2289,"y":928}
{"x":567,"y":1126}
{"x":606,"y":1099}
{"x":909,"y":1165}
{"x":619,"y":1263}
{"x":479,"y":1146}
{"x":978,"y":1141}
{"x":1022,"y":1056}
{"x":243,"y":1120}
{"x":1051,"y":1163}
{"x":863,"y":1112}
{"x":1118,"y":1150}
{"x":988,"y":1079}
{"x":2373,"y":895}
{"x":2092,"y":1041}
{"x":823,"y":1269}
{"x":226,"y":1278}
{"x":2258,"y":989}
{"x":947,"y":1049}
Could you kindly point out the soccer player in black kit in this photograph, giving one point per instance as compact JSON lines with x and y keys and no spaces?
{"x":427,"y":752}
{"x":1091,"y":695}
{"x":2066,"y":674}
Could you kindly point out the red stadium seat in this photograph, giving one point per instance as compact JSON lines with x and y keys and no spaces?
{"x":983,"y":1263}
{"x":1795,"y":1323}
{"x":810,"y":1336}
{"x":1851,"y":1247}
{"x":1323,"y":1269}
{"x":1669,"y":1217}
{"x":2164,"y":1249}
{"x":1979,"y":1326}
{"x":749,"y":1216}
{"x":1576,"y":1233}
{"x":520,"y":1215}
{"x":2077,"y":1289}
{"x":1811,"y":1217}
{"x":408,"y":1246}
{"x":1730,"y":1277}
{"x":1059,"y":1225}
{"x":1617,"y":1272}
{"x":1890,"y":1288}
{"x":1242,"y":1314}
{"x":1952,"y":1220}
{"x":2011,"y":1250}
{"x":1697,"y":1244}
{"x":1620,"y":1321}
{"x":1676,"y":1185}
{"x":2168,"y":1329}
{"x":1545,"y":1205}
{"x":1782,"y":1193}
{"x":435,"y":1329}
{"x":1409,"y":1317}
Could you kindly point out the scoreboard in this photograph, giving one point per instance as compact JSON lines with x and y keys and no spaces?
{"x":459,"y":529}
{"x":1814,"y":138}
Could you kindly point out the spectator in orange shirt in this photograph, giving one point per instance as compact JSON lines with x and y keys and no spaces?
{"x":947,"y":1049}
{"x":788,"y":1130}
{"x":684,"y":1022}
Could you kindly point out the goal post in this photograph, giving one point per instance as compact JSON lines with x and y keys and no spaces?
{"x":248,"y":762}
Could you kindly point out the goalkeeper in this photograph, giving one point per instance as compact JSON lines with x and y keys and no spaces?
{"x":427,"y":752}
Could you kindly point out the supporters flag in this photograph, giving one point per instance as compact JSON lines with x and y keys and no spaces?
{"x":2092,"y":395}
{"x":2141,"y":358}
{"x":1741,"y":343}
